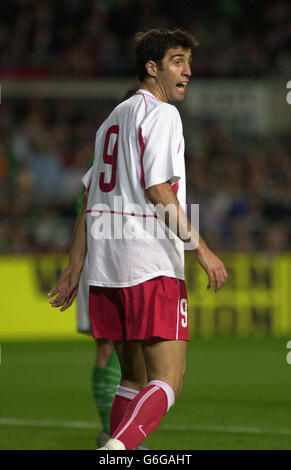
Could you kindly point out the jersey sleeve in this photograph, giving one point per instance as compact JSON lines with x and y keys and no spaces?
{"x":87,"y":178}
{"x":161,"y":132}
{"x":85,"y":181}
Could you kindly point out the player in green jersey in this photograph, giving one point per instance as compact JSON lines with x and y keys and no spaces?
{"x":106,"y":371}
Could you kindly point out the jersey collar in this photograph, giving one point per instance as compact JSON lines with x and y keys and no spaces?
{"x":145,"y":92}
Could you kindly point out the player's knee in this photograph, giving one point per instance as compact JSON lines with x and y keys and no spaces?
{"x":177,"y":384}
{"x":104,"y":351}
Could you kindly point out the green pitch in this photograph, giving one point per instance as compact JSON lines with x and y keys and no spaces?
{"x":236,"y":396}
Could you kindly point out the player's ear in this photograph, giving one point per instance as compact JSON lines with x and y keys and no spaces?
{"x":151,"y":68}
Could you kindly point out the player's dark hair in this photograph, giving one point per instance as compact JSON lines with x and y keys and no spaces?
{"x":153,"y":45}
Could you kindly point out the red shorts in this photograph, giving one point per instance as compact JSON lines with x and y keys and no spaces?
{"x":157,"y":307}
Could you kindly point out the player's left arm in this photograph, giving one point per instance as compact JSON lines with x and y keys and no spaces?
{"x":67,"y":286}
{"x":168,"y":207}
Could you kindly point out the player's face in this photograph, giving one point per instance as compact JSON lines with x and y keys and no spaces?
{"x":172,"y":80}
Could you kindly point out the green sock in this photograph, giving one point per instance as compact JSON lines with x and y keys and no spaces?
{"x":104,"y":384}
{"x":98,"y":387}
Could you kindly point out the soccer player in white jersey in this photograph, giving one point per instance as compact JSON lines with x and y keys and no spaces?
{"x":138,"y":295}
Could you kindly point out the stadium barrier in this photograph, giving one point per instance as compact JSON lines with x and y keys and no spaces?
{"x":255,"y":106}
{"x":255,"y":301}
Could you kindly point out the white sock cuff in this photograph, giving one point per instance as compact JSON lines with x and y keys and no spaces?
{"x":167,"y":389}
{"x":126,"y":392}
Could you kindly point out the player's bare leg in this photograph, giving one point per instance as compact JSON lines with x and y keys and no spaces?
{"x":103,"y":352}
{"x":133,"y":378}
{"x":166,"y":361}
{"x":132,"y":364}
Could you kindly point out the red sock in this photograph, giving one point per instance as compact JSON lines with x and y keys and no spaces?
{"x":144,"y":413}
{"x":123,"y":397}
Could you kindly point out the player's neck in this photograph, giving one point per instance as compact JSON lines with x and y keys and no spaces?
{"x":154,"y":90}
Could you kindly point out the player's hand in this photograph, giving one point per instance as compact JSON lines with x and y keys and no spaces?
{"x":213,"y":267}
{"x":65,"y":290}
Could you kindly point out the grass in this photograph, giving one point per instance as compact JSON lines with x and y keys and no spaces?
{"x":230,"y":383}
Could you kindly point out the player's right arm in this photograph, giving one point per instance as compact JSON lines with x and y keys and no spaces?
{"x":162,"y":196}
{"x":67,"y":286}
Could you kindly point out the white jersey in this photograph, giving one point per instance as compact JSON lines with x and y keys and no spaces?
{"x":139,"y":145}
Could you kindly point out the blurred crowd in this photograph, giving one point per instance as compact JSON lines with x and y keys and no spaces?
{"x":243,"y":188}
{"x":241,"y":184}
{"x":85,"y":38}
